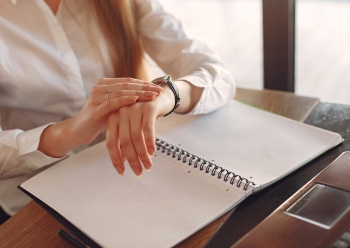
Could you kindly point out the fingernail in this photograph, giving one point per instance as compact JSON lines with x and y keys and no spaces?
{"x":120,"y":170}
{"x":137,"y":171}
{"x":132,"y":98}
{"x":150,"y":152}
{"x":150,"y":93}
{"x":148,"y":166}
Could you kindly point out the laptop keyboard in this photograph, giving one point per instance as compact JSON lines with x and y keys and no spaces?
{"x":343,"y":241}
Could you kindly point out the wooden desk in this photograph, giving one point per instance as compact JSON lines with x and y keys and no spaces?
{"x":34,"y":227}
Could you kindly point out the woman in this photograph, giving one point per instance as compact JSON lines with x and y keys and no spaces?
{"x":70,"y":70}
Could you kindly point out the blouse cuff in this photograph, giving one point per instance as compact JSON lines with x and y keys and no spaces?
{"x":27,"y":142}
{"x":212,"y":97}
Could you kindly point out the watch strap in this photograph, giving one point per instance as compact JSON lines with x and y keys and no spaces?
{"x":167,"y":80}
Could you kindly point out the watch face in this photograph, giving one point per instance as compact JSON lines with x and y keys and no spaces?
{"x":157,"y":80}
{"x":161,"y":80}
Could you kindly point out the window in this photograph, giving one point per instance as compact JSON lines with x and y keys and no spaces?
{"x":231,"y":28}
{"x":322,"y":50}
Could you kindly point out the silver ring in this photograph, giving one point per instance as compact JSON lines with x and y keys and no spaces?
{"x":108,"y":92}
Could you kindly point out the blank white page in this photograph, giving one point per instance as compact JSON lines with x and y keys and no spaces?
{"x":160,"y":209}
{"x":247,"y":141}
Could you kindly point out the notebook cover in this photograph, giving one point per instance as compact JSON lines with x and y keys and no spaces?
{"x":63,"y":221}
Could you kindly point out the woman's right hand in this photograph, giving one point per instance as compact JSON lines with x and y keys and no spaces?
{"x":58,"y":139}
{"x":123,"y":92}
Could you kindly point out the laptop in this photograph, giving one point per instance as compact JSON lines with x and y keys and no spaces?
{"x":317,"y":215}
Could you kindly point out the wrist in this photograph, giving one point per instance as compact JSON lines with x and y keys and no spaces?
{"x":167,"y":82}
{"x":74,"y":129}
{"x":166,"y":100}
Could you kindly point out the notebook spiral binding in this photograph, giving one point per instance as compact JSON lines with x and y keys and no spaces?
{"x":202,"y":164}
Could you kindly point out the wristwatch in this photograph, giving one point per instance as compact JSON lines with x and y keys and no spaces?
{"x":166,"y":80}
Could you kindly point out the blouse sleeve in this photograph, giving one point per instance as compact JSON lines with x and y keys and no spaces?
{"x":19,"y":154}
{"x":165,"y":41}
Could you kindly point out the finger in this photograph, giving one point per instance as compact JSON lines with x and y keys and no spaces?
{"x":123,"y":157}
{"x":109,"y":81}
{"x":129,"y":86}
{"x":114,"y":104}
{"x":148,"y":129}
{"x":126,"y":145}
{"x":112,"y":144}
{"x":100,"y":93}
{"x":143,"y":95}
{"x":139,"y":142}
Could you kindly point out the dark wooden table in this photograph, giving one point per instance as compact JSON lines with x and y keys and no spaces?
{"x":34,"y":227}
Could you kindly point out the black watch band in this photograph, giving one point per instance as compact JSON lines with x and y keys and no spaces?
{"x":167,"y":80}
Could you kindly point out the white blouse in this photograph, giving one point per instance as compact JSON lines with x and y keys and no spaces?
{"x":49,"y":63}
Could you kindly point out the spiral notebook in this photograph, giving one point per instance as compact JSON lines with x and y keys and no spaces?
{"x":205,"y":165}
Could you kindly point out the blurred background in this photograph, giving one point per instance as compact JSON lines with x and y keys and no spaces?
{"x":233,"y":29}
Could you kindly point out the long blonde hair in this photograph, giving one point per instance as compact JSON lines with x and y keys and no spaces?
{"x":118,"y":20}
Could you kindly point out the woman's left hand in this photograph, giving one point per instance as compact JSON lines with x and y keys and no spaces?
{"x":131,"y":132}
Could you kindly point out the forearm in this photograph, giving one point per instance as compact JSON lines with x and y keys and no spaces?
{"x":189,"y":97}
{"x":58,"y":139}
